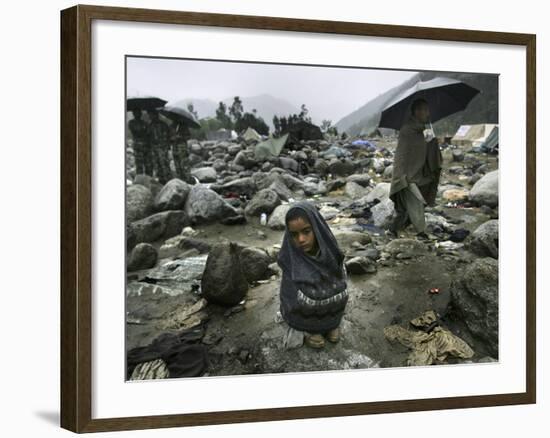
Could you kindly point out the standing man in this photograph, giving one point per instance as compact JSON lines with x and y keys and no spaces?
{"x":142,"y":149}
{"x":159,"y":135}
{"x":180,"y":152}
{"x":416,"y":171}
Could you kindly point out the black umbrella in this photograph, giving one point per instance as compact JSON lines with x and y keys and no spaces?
{"x":144,"y":103}
{"x":180,"y":115}
{"x":445,"y":96}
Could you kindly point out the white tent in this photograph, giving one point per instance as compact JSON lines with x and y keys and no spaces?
{"x":472,"y":135}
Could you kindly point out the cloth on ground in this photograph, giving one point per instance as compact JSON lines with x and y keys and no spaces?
{"x":428,"y":347}
{"x":313,"y":292}
{"x":183,"y":354}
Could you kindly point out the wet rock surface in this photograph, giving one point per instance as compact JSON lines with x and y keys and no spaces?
{"x":215,"y":266}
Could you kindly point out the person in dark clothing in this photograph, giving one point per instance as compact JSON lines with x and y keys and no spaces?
{"x":313,"y":293}
{"x":416,"y":171}
{"x":142,"y":149}
{"x":180,"y":152}
{"x":159,"y":136}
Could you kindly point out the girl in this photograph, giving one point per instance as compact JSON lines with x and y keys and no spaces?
{"x":313,"y":291}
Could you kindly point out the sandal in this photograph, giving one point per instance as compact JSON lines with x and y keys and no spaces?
{"x":314,"y":340}
{"x":334,"y":335}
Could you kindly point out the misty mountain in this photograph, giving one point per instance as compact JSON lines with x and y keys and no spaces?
{"x":266,"y":106}
{"x":482,"y":109}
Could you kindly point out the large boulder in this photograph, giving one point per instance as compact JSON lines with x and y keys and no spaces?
{"x":255,"y":264}
{"x":381,"y":191}
{"x":204,"y":205}
{"x":485,"y":239}
{"x":158,"y":226}
{"x":240,"y":186}
{"x":341,"y":167}
{"x":172,"y":196}
{"x":382,"y":213}
{"x":223,"y":280}
{"x":264,"y":201}
{"x":363,"y":179}
{"x":354,"y":190}
{"x":139,"y":202}
{"x":205,"y":174}
{"x":474,"y":300}
{"x":276,"y":220}
{"x":143,"y":256}
{"x":485,"y":190}
{"x":360,"y":265}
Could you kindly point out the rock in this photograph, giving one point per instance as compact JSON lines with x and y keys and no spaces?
{"x":143,"y":256}
{"x":409,"y":247}
{"x":172,"y":196}
{"x":346,"y":237}
{"x":360,"y":265}
{"x":378,"y":165}
{"x":204,"y":205}
{"x":289,"y":164}
{"x":363,"y":179}
{"x":437,"y":224}
{"x":388,"y":171}
{"x":139,"y":202}
{"x":459,"y":235}
{"x":341,"y":168}
{"x":328,"y":212}
{"x":458,"y":155}
{"x":382,"y":213}
{"x":255,"y":264}
{"x":335,"y":184}
{"x":485,"y":191}
{"x":354,"y":190}
{"x":223,"y":281}
{"x":264,"y":201}
{"x":485,"y":239}
{"x":160,"y":225}
{"x":149,"y":182}
{"x":241,"y":186}
{"x":455,"y":195}
{"x":276,"y":220}
{"x":381,"y":191}
{"x":474,"y":300}
{"x":155,"y":369}
{"x":205,"y":174}
{"x":281,"y":189}
{"x":293,"y":339}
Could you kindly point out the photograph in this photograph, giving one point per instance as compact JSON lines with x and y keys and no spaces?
{"x":292,"y":218}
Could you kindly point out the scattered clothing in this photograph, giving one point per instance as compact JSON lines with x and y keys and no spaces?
{"x":182,"y":353}
{"x":429,"y":343}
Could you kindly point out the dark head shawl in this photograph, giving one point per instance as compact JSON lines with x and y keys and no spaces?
{"x":303,"y":268}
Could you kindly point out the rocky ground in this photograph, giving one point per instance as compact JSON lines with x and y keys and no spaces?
{"x":172,"y":232}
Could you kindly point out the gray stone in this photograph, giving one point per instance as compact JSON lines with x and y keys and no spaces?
{"x":485,"y":190}
{"x":143,"y":256}
{"x":381,"y":191}
{"x":159,"y":226}
{"x":139,"y":202}
{"x":346,"y":237}
{"x":223,"y":281}
{"x":341,"y":168}
{"x":255,"y":264}
{"x":382,"y":213}
{"x":281,"y":189}
{"x":264,"y":201}
{"x":172,"y":196}
{"x":405,"y":246}
{"x":205,"y":174}
{"x":204,"y":205}
{"x":474,"y":300}
{"x":485,"y":239}
{"x":360,"y":265}
{"x":458,"y":155}
{"x":354,"y":190}
{"x":363,"y":179}
{"x":276,"y":220}
{"x":241,"y":186}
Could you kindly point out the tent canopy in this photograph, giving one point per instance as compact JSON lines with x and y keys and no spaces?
{"x":472,"y":135}
{"x":271,"y":147}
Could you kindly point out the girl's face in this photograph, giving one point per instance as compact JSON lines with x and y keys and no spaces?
{"x":303,"y":235}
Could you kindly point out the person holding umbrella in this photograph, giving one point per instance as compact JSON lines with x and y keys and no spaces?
{"x":159,"y":136}
{"x":142,"y":150}
{"x":180,"y":151}
{"x":416,"y":171}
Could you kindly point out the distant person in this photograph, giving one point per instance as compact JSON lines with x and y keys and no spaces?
{"x":313,"y":293}
{"x":142,"y":150}
{"x":416,"y":171}
{"x":159,"y":136}
{"x":180,"y":152}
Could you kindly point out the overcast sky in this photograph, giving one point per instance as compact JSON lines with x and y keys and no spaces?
{"x":329,"y":93}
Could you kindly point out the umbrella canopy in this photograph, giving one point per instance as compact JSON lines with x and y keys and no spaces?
{"x":144,"y":103}
{"x":180,"y":115}
{"x":445,"y":96}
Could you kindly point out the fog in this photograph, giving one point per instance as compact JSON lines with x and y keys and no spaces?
{"x":328,"y":92}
